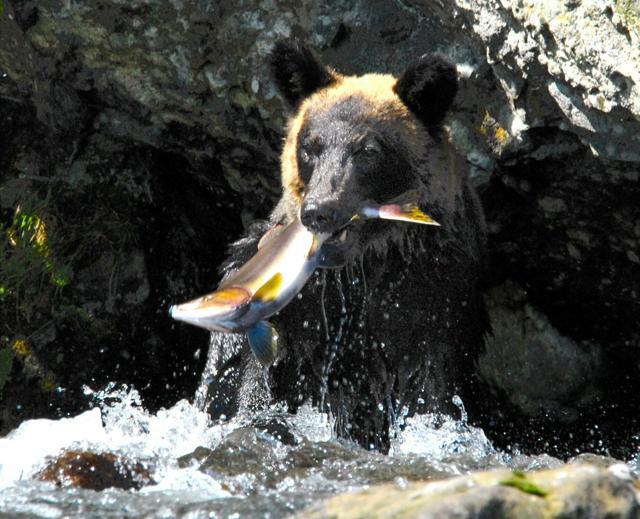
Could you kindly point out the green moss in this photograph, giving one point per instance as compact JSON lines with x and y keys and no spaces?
{"x":28,"y":262}
{"x":6,"y":362}
{"x":49,"y":232}
{"x":1,"y":7}
{"x":629,"y":11}
{"x":55,"y":230}
{"x":519,"y":481}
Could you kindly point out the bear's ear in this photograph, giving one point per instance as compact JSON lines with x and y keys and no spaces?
{"x":428,"y":88}
{"x":297,"y":72}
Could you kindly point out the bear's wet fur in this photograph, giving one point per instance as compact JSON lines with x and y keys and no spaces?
{"x":399,"y":327}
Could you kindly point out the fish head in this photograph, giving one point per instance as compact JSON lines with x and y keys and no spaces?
{"x":217,"y":311}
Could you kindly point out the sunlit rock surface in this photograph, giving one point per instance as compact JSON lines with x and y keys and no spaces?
{"x":573,"y":491}
{"x":146,"y":136}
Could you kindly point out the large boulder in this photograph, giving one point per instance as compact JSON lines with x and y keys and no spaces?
{"x":572,"y":491}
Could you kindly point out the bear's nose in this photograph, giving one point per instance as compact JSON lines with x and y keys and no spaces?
{"x":319,"y":217}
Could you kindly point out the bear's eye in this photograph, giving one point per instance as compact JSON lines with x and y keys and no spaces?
{"x":369,"y":149}
{"x":309,"y":150}
{"x":304,"y":156}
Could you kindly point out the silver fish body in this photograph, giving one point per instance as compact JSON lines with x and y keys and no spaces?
{"x":261,"y":287}
{"x":264,"y":285}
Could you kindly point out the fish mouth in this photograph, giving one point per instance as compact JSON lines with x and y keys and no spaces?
{"x":343,"y":246}
{"x":214,"y":311}
{"x":342,"y":238}
{"x":345,"y":237}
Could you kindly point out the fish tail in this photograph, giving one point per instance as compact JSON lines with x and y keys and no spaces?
{"x":405,"y":213}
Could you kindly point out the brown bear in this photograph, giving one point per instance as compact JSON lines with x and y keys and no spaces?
{"x":397,"y":327}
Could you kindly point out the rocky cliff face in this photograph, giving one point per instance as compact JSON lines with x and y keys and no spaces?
{"x":138,"y":138}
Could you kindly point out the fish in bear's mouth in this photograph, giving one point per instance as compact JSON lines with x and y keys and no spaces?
{"x":373,"y":221}
{"x":346,"y":238}
{"x":286,"y":258}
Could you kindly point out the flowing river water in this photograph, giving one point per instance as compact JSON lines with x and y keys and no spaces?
{"x":201,"y":468}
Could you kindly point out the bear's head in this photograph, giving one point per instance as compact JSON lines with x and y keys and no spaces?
{"x":358,"y":139}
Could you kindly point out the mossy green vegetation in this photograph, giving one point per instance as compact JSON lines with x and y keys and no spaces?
{"x":30,"y":268}
{"x":28,"y":240}
{"x":31,"y":275}
{"x":629,"y":11}
{"x":6,"y":362}
{"x":519,"y":480}
{"x":49,"y":234}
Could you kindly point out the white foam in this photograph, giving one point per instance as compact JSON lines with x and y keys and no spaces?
{"x":438,"y":437}
{"x":128,"y":429}
{"x":23,"y":451}
{"x":312,"y":424}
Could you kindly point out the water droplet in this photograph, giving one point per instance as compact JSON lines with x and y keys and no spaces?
{"x":401,"y":482}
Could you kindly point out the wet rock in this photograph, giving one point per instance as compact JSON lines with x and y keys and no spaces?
{"x":95,"y":471}
{"x":249,"y":461}
{"x":573,"y":491}
{"x":541,"y":371}
{"x":584,"y":81}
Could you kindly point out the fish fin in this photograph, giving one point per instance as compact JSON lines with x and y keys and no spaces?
{"x":331,"y":257}
{"x":263,"y":340}
{"x":270,"y":290}
{"x":270,"y":234}
{"x":405,"y":213}
{"x":411,"y":196}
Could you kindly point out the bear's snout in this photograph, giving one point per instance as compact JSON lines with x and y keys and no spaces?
{"x":321,"y":217}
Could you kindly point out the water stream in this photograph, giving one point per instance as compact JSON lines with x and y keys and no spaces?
{"x":235,"y":469}
{"x":199,"y":467}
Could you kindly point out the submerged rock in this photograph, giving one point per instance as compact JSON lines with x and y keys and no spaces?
{"x":95,"y":471}
{"x":573,"y":491}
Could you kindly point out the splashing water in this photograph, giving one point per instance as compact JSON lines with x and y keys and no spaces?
{"x":203,"y":468}
{"x":438,"y":436}
{"x":333,"y":342}
{"x":222,"y":347}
